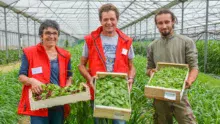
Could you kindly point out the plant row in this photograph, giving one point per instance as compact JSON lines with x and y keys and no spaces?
{"x":13,"y":55}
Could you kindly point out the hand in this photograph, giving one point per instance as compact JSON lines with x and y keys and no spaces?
{"x":91,"y":82}
{"x":69,"y":81}
{"x":188,"y":84}
{"x":68,"y":84}
{"x":152,"y":71}
{"x":130,"y":83}
{"x":35,"y":85}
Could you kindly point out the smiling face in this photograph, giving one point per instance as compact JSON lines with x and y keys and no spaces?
{"x":109,"y":23}
{"x":165,"y":24}
{"x":49,"y":37}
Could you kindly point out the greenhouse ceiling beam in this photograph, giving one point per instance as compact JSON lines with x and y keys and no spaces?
{"x":143,"y":7}
{"x":169,"y":5}
{"x":15,"y":32}
{"x":4,"y":5}
{"x":79,"y":8}
{"x":125,"y":19}
{"x":127,"y":7}
{"x":201,"y":17}
{"x":97,"y":8}
{"x":59,"y":18}
{"x":136,"y":12}
{"x":203,"y":25}
{"x":109,"y":0}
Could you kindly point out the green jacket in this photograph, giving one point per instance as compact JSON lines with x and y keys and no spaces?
{"x":173,"y":49}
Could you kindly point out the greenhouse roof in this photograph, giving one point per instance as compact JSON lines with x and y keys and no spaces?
{"x":79,"y":17}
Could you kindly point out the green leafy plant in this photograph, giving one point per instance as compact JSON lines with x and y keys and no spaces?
{"x":52,"y":91}
{"x":169,"y":77}
{"x":112,"y":91}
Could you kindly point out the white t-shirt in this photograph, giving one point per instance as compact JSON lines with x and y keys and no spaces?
{"x":109,"y":46}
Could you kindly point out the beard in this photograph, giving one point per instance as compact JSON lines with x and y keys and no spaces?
{"x":165,"y":33}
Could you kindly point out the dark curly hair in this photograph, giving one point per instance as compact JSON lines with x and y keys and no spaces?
{"x":48,"y":23}
{"x":166,"y":11}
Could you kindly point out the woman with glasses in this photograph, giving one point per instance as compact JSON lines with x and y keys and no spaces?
{"x":42,"y":64}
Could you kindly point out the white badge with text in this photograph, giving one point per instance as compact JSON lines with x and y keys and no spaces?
{"x":36,"y":70}
{"x":170,"y":95}
{"x":124,"y":51}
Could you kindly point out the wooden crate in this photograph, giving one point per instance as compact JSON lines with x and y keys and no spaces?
{"x":61,"y":100}
{"x":108,"y":111}
{"x":166,"y":94}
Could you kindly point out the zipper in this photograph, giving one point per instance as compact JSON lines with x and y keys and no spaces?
{"x":25,"y":107}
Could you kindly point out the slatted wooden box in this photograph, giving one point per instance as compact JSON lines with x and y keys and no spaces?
{"x":102,"y":111}
{"x":61,"y":100}
{"x":166,"y":94}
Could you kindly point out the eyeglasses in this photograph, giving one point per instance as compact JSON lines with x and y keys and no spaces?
{"x":51,"y":33}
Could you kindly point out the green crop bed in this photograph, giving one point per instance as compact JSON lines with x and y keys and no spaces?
{"x":203,"y":96}
{"x":13,"y":55}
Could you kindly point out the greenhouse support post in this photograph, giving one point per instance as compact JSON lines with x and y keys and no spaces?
{"x":35,"y":37}
{"x":140,"y":30}
{"x":6,"y":35}
{"x":28,"y":32}
{"x":146,"y":28}
{"x":182,"y":17}
{"x":88,"y":18}
{"x":19,"y":40}
{"x":135,"y":30}
{"x":155,"y":30}
{"x":206,"y":37}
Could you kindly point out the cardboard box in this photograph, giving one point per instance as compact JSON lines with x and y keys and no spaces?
{"x":102,"y":111}
{"x":61,"y":100}
{"x":166,"y":94}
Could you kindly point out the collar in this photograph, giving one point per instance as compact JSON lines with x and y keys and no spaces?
{"x":168,"y":37}
{"x":41,"y":48}
{"x":95,"y":34}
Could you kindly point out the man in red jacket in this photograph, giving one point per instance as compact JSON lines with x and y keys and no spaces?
{"x":107,"y":49}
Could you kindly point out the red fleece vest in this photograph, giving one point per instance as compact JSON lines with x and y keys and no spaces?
{"x":37,"y":57}
{"x":97,"y":59}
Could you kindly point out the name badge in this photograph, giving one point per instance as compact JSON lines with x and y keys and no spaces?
{"x":170,"y":95}
{"x":124,"y":51}
{"x":36,"y":70}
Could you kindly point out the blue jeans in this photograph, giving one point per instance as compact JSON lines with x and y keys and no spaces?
{"x":105,"y":120}
{"x":55,"y":116}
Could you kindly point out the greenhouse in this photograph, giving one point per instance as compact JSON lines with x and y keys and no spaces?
{"x":20,"y":22}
